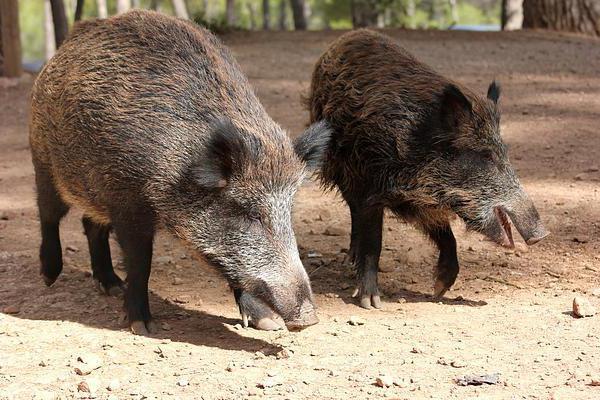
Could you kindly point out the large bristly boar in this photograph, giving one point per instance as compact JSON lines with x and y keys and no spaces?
{"x":146,"y":122}
{"x":407,"y":139}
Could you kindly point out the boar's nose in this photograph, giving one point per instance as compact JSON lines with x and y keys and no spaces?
{"x":540,"y":234}
{"x":300,"y":324}
{"x":527,"y":220}
{"x":308,"y":317}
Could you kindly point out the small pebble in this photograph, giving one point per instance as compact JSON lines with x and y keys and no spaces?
{"x":183,"y":382}
{"x":163,"y":260}
{"x":401,"y":382}
{"x":332,"y":230}
{"x":270,"y":382}
{"x":11,"y":309}
{"x":87,"y":363}
{"x":283,"y":354}
{"x":113,"y":385}
{"x":90,"y":385}
{"x":384,"y":381}
{"x":165,"y":326}
{"x":83,"y":387}
{"x":356,"y":321}
{"x":183,"y":299}
{"x":177,"y":281}
{"x":583,"y":308}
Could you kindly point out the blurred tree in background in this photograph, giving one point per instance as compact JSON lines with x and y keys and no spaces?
{"x":220,"y":15}
{"x":563,"y":15}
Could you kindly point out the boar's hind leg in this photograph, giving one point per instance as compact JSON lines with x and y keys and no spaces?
{"x":260,"y":315}
{"x":367,"y":227}
{"x":136,"y":240}
{"x":447,"y":267}
{"x":51,"y":209}
{"x":102,"y":268}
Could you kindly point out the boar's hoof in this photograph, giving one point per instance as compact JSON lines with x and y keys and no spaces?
{"x":349,"y":258}
{"x":266,"y":324}
{"x":439,"y":289}
{"x":262,"y":323}
{"x":143,"y":328}
{"x":367,"y":300}
{"x":48,"y":281}
{"x":116,"y":289}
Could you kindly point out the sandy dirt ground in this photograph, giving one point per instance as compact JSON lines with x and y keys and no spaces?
{"x":509,"y":312}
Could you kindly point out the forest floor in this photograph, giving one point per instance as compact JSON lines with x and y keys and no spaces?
{"x":508,"y":313}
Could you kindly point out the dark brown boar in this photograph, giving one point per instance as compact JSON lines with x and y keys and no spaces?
{"x":409,"y":140}
{"x":146,"y":122}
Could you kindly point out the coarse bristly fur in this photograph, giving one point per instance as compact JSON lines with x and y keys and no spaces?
{"x":146,"y":121}
{"x":410,"y":140}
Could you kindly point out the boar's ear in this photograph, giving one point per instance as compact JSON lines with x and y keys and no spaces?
{"x":455,"y":106}
{"x":226,"y":151}
{"x":494,"y":92}
{"x":312,"y":144}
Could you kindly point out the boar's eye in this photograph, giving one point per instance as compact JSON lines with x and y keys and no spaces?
{"x":254,"y":215}
{"x":487,"y":155}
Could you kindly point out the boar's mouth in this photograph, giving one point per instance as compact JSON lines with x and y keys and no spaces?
{"x":506,"y":238}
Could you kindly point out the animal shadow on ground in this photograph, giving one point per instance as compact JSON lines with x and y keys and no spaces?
{"x":73,"y":297}
{"x":325,"y":279}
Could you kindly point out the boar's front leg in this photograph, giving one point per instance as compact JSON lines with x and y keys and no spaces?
{"x":135,"y":239}
{"x":260,"y":315}
{"x":447,"y":267}
{"x":102,"y":268}
{"x":367,"y":225}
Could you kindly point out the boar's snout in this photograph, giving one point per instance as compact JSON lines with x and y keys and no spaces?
{"x":526,"y":219}
{"x":308,"y":317}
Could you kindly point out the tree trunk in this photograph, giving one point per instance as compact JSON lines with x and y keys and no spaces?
{"x":180,"y":9}
{"x":135,"y":4}
{"x":364,"y":13}
{"x":102,"y":9}
{"x":207,"y":11}
{"x":61,"y":27}
{"x":299,"y":11}
{"x":282,"y":15}
{"x":453,"y":11}
{"x":512,"y":15}
{"x":563,"y":15}
{"x":11,"y":41}
{"x":123,"y":6}
{"x":50,"y":45}
{"x":410,"y":13}
{"x":230,"y":12}
{"x":78,"y":10}
{"x":251,"y":6}
{"x":266,"y":9}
